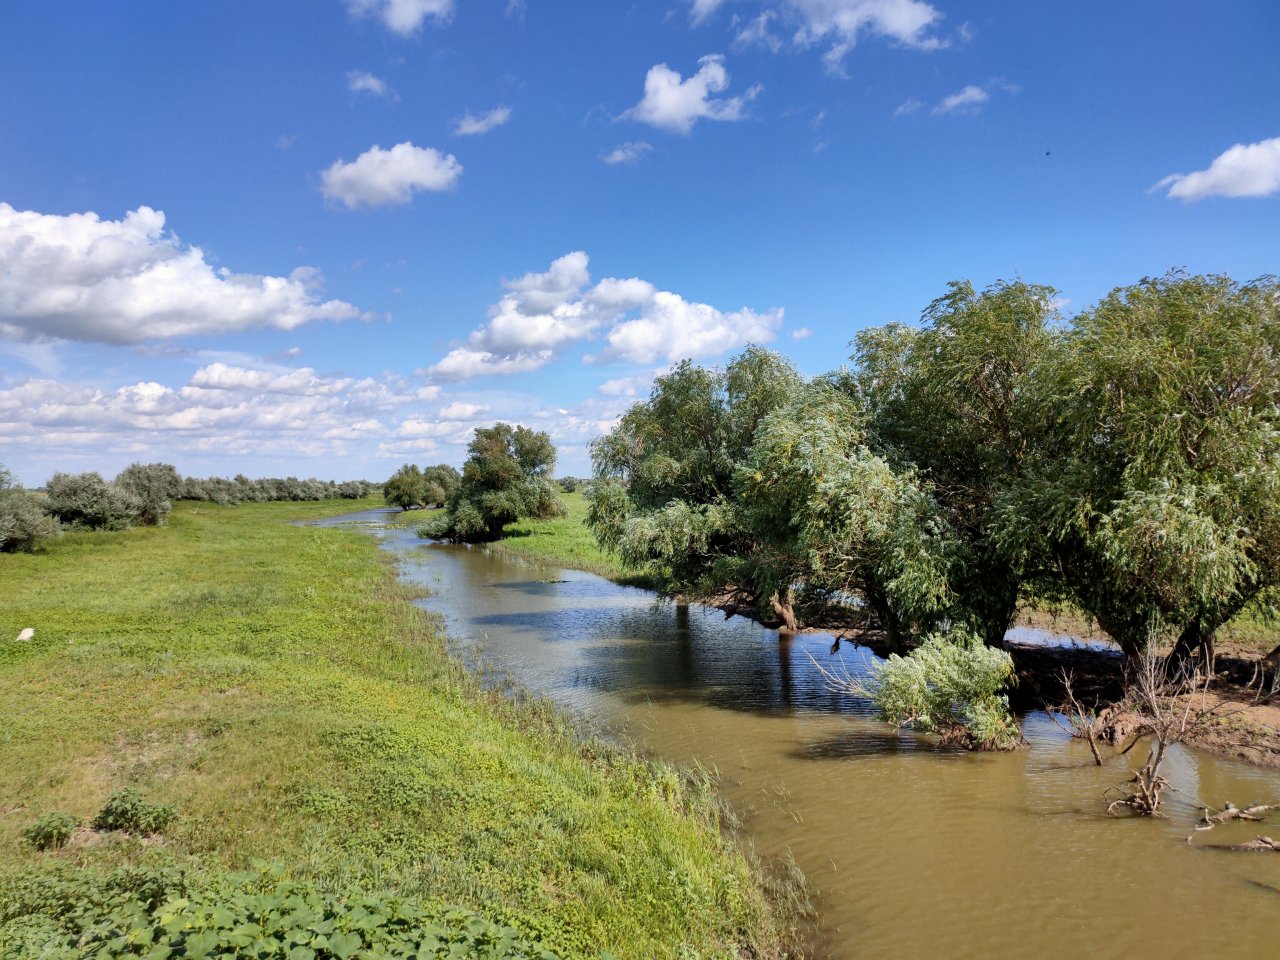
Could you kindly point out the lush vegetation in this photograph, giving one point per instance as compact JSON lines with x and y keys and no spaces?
{"x":567,"y":541}
{"x":142,"y":494}
{"x":507,"y":477}
{"x":259,"y":690}
{"x":412,"y":487}
{"x":242,"y":489}
{"x":1127,"y":464}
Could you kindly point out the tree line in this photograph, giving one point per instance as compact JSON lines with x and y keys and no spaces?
{"x":141,"y":495}
{"x":1126,"y":462}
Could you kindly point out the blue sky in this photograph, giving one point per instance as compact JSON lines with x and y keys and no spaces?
{"x":329,"y":238}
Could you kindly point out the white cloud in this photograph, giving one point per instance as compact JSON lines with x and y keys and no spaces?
{"x":462,"y":363}
{"x":223,"y":411}
{"x":471,"y":125}
{"x":673,"y":103}
{"x":358,"y":81}
{"x":672,"y":328}
{"x":907,"y":107}
{"x":404,"y":17}
{"x":627,"y":153}
{"x":756,"y":33}
{"x":968,"y":100}
{"x":701,"y":9}
{"x":801,"y":333}
{"x":1244,"y":170}
{"x":840,"y":23}
{"x":462,"y":411}
{"x":380,"y":177}
{"x":78,"y":277}
{"x":541,"y":313}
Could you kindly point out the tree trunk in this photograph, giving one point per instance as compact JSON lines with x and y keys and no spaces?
{"x":1194,"y":637}
{"x":784,"y":609}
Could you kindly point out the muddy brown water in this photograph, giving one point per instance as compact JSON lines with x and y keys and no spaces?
{"x":909,"y":852}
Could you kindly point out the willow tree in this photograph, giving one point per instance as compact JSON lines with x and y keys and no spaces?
{"x":1159,"y":494}
{"x":951,"y":401}
{"x":507,"y":477}
{"x":841,"y":518}
{"x":665,"y":497}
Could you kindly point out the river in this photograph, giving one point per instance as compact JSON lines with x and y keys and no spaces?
{"x":909,"y":852}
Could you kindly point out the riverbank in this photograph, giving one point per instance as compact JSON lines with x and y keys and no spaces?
{"x":275,"y":685}
{"x":1247,"y":731}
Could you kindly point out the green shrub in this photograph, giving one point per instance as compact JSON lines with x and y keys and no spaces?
{"x":24,"y":516}
{"x":950,"y":684}
{"x":164,"y":912}
{"x":85,"y":500}
{"x":128,"y":810}
{"x":52,"y":831}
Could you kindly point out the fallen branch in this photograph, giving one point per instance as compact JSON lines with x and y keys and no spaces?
{"x":1257,"y":845}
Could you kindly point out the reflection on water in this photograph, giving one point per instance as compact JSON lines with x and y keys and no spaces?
{"x":911,"y":853}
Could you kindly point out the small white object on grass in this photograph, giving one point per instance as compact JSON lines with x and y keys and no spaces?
{"x":27,"y":634}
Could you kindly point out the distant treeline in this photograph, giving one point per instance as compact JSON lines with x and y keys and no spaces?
{"x":141,"y":495}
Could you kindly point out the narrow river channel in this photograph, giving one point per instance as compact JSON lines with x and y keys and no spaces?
{"x":909,"y":852}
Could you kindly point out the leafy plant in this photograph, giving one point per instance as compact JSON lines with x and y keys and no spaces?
{"x":51,"y":831}
{"x":165,"y":912}
{"x":128,"y":810}
{"x":950,"y":684}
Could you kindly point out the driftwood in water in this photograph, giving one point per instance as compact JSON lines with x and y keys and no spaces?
{"x":1257,"y":845}
{"x":1254,"y":812}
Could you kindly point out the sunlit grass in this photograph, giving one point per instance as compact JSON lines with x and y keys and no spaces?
{"x":567,"y":541}
{"x":275,"y":685}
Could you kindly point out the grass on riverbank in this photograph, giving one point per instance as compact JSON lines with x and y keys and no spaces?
{"x":274,"y":684}
{"x":568,"y":542}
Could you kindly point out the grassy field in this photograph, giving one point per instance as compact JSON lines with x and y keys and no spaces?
{"x":568,"y":542}
{"x":273,"y":683}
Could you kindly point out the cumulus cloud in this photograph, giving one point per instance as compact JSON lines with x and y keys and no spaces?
{"x":968,"y":100}
{"x":471,"y":125}
{"x":223,"y":411}
{"x":381,"y":177}
{"x":836,"y":23}
{"x":541,"y":313}
{"x":78,"y":277}
{"x":674,"y":103}
{"x":462,"y":411}
{"x":1244,"y":170}
{"x":463,"y":363}
{"x":627,"y":153}
{"x":358,"y":81}
{"x":671,"y":328}
{"x":801,"y":333}
{"x":404,"y":17}
{"x":908,"y":106}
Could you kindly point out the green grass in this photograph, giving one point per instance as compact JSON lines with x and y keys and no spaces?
{"x":275,"y":686}
{"x":566,"y":541}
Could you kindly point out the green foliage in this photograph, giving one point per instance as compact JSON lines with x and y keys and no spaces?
{"x":952,"y":401}
{"x":951,"y":684}
{"x":1156,"y":502}
{"x":507,"y":477}
{"x":406,"y":488}
{"x":152,"y":912}
{"x":51,"y":831}
{"x":241,"y":489}
{"x":567,"y":542}
{"x":833,"y":515}
{"x":273,"y":681}
{"x":24,"y":516}
{"x":86,"y":501}
{"x":665,"y":497}
{"x":128,"y":810}
{"x":154,"y":486}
